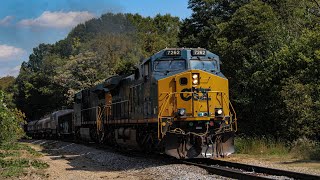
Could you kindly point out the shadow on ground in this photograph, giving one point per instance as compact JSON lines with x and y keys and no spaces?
{"x":90,"y":158}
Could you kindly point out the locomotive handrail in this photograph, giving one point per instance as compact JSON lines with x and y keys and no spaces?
{"x":234,"y":113}
{"x":169,"y":94}
{"x":89,"y":108}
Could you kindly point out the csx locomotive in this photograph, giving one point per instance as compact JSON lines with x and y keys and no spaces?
{"x":177,"y":102}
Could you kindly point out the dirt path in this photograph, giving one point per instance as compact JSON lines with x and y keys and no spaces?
{"x":67,"y":165}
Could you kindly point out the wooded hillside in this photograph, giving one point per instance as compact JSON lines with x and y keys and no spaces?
{"x":269,"y":49}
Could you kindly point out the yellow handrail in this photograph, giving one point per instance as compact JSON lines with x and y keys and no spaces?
{"x":166,"y":101}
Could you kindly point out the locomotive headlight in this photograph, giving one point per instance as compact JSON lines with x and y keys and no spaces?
{"x":195,"y":81}
{"x":181,"y":112}
{"x":218,"y":112}
{"x":195,"y":76}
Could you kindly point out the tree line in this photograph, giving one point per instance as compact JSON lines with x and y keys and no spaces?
{"x":269,"y":49}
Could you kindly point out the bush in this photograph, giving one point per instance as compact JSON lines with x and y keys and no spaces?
{"x":11,"y":122}
{"x":305,"y":149}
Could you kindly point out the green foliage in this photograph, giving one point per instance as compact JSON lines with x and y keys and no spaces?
{"x":35,"y":87}
{"x":12,"y":165}
{"x":270,"y":54}
{"x":201,"y":29}
{"x":260,"y":146}
{"x":14,"y":146}
{"x":305,"y":149}
{"x":6,"y":82}
{"x":39,"y":164}
{"x":11,"y":122}
{"x":93,"y":51}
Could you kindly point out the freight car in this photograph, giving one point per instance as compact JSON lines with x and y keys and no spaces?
{"x":177,"y":102}
{"x":57,"y":125}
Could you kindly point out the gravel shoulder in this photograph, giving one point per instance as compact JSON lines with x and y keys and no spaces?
{"x":71,"y":161}
{"x":76,"y":161}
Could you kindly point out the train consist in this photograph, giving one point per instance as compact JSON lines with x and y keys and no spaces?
{"x":176,"y":102}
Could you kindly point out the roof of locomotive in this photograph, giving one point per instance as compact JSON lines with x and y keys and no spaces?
{"x":62,"y":112}
{"x":186,"y":53}
{"x":31,"y":123}
{"x":44,"y":120}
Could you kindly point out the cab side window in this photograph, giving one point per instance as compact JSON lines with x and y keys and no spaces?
{"x":146,"y":68}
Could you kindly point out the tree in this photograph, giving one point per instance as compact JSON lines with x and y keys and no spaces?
{"x":35,"y":92}
{"x":6,"y":82}
{"x":269,"y":55}
{"x":201,"y":29}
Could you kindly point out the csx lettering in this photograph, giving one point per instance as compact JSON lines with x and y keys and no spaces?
{"x":195,"y":94}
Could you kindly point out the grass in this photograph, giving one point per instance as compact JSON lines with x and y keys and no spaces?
{"x":261,"y":146}
{"x":19,"y":147}
{"x":17,"y":158}
{"x":302,"y":149}
{"x":39,"y":164}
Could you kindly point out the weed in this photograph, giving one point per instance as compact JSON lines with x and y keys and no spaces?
{"x":13,"y":167}
{"x":19,"y":146}
{"x":9,"y":154}
{"x":39,"y":164}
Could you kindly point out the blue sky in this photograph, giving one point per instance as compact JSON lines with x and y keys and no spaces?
{"x":26,"y":23}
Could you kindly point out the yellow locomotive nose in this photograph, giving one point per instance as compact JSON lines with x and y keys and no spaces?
{"x":194,"y":102}
{"x":200,"y":94}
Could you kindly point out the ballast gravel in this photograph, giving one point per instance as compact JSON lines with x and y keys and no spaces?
{"x":69,"y":160}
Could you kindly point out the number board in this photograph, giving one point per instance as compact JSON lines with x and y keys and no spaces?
{"x":172,"y":53}
{"x":198,"y":52}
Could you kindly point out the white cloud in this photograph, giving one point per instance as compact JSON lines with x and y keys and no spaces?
{"x":9,"y":52}
{"x":6,"y":20}
{"x":6,"y":71}
{"x":58,"y":19}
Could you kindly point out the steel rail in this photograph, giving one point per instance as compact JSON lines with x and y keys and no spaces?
{"x":251,"y":168}
{"x":227,"y":172}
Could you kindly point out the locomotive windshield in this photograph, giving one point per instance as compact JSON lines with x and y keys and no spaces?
{"x":169,"y":65}
{"x":207,"y":65}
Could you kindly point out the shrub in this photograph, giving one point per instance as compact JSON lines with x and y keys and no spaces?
{"x":305,"y":149}
{"x":11,"y":122}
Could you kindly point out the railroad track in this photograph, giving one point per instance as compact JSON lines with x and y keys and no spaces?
{"x":218,"y":167}
{"x":245,"y":171}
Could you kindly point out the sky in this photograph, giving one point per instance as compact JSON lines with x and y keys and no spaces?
{"x":24,"y":24}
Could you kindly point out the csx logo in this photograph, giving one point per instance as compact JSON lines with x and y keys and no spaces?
{"x":198,"y":94}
